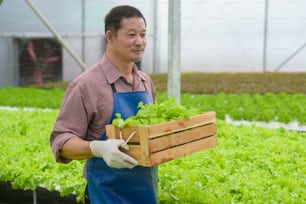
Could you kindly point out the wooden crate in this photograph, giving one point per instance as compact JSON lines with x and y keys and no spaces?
{"x":155,"y":144}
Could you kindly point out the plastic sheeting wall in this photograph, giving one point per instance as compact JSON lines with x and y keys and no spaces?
{"x":217,"y":35}
{"x":227,"y":35}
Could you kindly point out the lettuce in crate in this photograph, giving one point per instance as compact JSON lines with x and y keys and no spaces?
{"x":154,"y":113}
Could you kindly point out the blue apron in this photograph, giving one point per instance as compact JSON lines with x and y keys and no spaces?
{"x":128,"y":186}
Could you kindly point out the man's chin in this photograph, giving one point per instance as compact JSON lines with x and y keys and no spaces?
{"x":137,"y":59}
{"x":137,"y":55}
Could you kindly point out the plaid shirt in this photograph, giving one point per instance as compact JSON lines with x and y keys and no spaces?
{"x":88,"y":103}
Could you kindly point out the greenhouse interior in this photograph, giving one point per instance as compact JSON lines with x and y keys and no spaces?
{"x":225,"y":123}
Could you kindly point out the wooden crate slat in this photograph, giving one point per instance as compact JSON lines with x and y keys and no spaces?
{"x":133,"y":152}
{"x":182,"y":137}
{"x":179,"y":125}
{"x":144,"y":146}
{"x":183,"y":150}
{"x":113,"y":132}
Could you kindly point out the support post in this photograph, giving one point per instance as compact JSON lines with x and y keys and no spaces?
{"x":174,"y":49}
{"x":264,"y":63}
{"x":83,"y":29}
{"x":34,"y":197}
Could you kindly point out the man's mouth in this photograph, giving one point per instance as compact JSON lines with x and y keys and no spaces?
{"x":137,"y":51}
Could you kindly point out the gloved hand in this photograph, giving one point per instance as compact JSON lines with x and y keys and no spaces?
{"x":109,"y":151}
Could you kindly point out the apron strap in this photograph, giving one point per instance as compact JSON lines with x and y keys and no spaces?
{"x":113,"y":87}
{"x":144,"y":84}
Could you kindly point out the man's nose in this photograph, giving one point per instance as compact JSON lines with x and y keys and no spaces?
{"x":139,"y":40}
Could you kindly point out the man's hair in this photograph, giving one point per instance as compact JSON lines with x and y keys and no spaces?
{"x":114,"y":17}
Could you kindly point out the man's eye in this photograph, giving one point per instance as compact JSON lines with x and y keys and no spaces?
{"x":143,"y":35}
{"x":131,"y":34}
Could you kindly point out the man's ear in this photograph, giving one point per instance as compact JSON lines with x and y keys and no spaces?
{"x":109,"y":36}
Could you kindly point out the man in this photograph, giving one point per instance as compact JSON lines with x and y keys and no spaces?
{"x":90,"y":103}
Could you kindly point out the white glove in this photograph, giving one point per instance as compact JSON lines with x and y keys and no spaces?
{"x":109,"y":151}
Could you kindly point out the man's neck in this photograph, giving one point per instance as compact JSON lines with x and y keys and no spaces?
{"x":125,"y":68}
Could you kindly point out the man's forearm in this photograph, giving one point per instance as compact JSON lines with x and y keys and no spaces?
{"x":76,"y":148}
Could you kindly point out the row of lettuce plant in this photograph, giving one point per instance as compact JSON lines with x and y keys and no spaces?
{"x":252,"y":107}
{"x":249,"y":165}
{"x":26,"y":160}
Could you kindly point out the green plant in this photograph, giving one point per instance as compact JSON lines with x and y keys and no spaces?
{"x":250,"y":164}
{"x":31,"y":97}
{"x":281,"y":107}
{"x":149,"y":114}
{"x":26,"y":159}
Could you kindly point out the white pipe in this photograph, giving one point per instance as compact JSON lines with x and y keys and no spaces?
{"x":174,"y":49}
{"x":264,"y":63}
{"x":83,"y":29}
{"x":34,"y":197}
{"x":155,"y":37}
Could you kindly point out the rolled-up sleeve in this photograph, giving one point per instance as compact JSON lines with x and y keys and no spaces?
{"x":72,"y":120}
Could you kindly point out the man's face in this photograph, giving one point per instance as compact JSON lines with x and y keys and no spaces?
{"x":130,"y":42}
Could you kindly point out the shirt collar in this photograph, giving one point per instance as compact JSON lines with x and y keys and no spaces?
{"x":112,"y":74}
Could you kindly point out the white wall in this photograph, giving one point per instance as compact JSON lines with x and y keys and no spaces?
{"x":227,"y":35}
{"x":217,"y":35}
